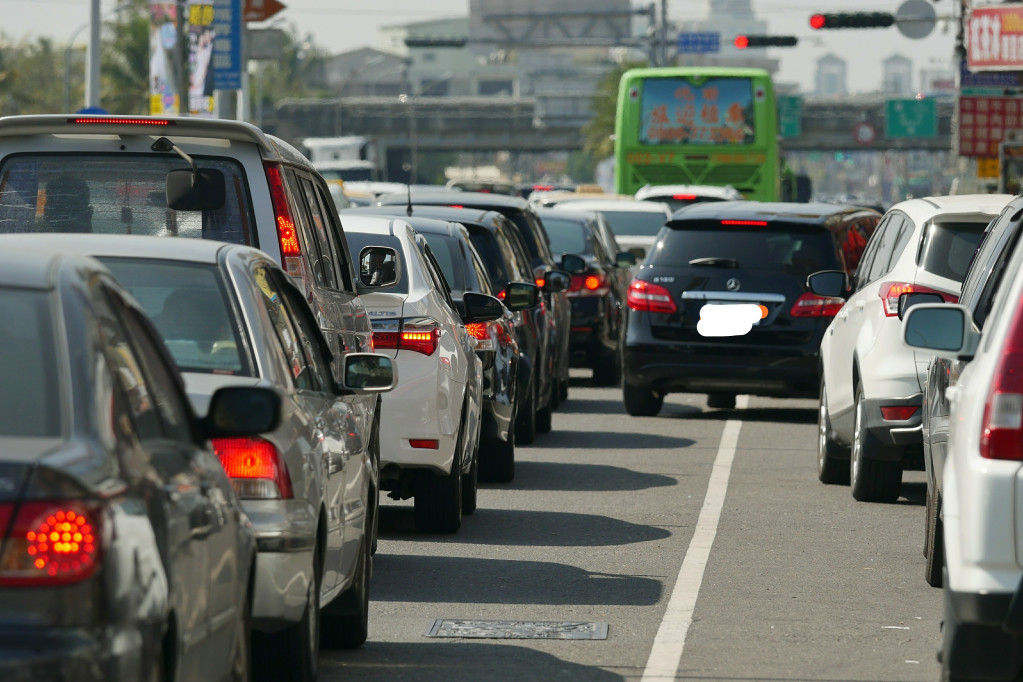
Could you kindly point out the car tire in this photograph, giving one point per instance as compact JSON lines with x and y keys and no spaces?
{"x":607,"y":371}
{"x":970,"y":651}
{"x":525,"y":422}
{"x":870,"y":479}
{"x":499,"y":465}
{"x":438,"y":499}
{"x":544,"y":417}
{"x":934,"y":540}
{"x":641,"y":402}
{"x":721,"y":401}
{"x":563,"y":387}
{"x":346,"y":622}
{"x":832,"y":459}
{"x":292,"y":654}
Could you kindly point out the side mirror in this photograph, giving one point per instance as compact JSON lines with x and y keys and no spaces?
{"x":910,"y":299}
{"x":481,"y":308}
{"x":639,"y":253}
{"x":625,"y":259}
{"x":202,"y":190}
{"x":830,"y":283}
{"x":368,"y":373}
{"x":556,"y":280}
{"x":942,"y":328}
{"x":236,"y":411}
{"x":572,"y":263}
{"x":378,"y":266}
{"x":521,"y":296}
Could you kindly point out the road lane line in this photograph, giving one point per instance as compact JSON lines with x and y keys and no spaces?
{"x":666,"y":654}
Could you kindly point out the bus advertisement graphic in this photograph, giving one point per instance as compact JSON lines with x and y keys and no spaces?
{"x":719,"y":111}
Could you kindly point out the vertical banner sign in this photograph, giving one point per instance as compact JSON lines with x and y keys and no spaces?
{"x":994,"y":38}
{"x":200,"y":58}
{"x":227,"y":45}
{"x":164,"y":97}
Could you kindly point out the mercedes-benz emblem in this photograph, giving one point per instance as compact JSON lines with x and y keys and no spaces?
{"x":732,"y":284}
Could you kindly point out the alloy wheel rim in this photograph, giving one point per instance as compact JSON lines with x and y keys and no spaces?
{"x":857,"y":445}
{"x":822,"y":431}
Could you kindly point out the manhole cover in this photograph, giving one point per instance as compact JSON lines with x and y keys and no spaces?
{"x":516,"y":629}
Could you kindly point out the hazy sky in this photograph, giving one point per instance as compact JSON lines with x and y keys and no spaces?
{"x":339,"y":25}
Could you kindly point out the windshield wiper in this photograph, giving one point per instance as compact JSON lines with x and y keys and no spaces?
{"x":715,"y":261}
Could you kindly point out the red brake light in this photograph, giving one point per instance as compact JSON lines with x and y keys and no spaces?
{"x":51,"y":543}
{"x":455,"y":206}
{"x":385,"y":339}
{"x":588,"y":285}
{"x":287,"y":236}
{"x":747,"y":223}
{"x":424,"y":342}
{"x":107,"y":120}
{"x":651,"y":298}
{"x":255,"y":468}
{"x":812,"y":305}
{"x":1001,"y":434}
{"x":501,"y":294}
{"x":540,"y":281}
{"x":684,"y":197}
{"x":890,"y":292}
{"x":424,"y":443}
{"x":477,"y":330}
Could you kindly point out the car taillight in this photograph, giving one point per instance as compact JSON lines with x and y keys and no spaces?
{"x":287,"y":236}
{"x":382,"y":339}
{"x":480,"y":331}
{"x":588,"y":285}
{"x":898,"y":413}
{"x":51,"y":543}
{"x":812,"y":305}
{"x":651,"y":298}
{"x":1001,"y":434}
{"x":684,"y":197}
{"x":255,"y":468}
{"x":419,"y":334}
{"x":890,"y":292}
{"x":424,"y":443}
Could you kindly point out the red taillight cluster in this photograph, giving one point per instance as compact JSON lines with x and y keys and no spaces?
{"x":890,"y":292}
{"x":1002,"y":429}
{"x":255,"y":467}
{"x":812,"y":305}
{"x":421,"y":335}
{"x":648,"y":297}
{"x":588,"y":285}
{"x":50,"y":543}
{"x":287,"y":235}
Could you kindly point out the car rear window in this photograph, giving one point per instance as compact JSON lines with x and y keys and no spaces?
{"x":29,"y":394}
{"x":790,"y":247}
{"x":189,"y":306}
{"x":948,"y":248}
{"x":124,"y":194}
{"x":569,"y":236}
{"x":448,"y":252}
{"x":357,"y":241}
{"x":489,"y":250}
{"x":635,"y":223}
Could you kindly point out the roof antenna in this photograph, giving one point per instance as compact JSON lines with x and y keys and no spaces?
{"x":408,"y":208}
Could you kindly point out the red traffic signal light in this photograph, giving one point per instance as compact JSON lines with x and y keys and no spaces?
{"x":852,"y":20}
{"x":817,"y":21}
{"x":742,"y":41}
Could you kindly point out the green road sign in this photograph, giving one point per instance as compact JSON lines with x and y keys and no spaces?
{"x":911,"y":118}
{"x":790,"y":114}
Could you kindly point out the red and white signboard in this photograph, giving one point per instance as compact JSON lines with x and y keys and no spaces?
{"x":983,"y":121}
{"x":994,"y":38}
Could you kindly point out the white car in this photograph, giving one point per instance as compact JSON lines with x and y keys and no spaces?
{"x":870,"y":422}
{"x":430,"y":424}
{"x":635,"y":223}
{"x":982,"y":634}
{"x":680,"y":196}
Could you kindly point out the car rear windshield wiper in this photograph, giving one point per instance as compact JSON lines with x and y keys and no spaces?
{"x":716,"y":262}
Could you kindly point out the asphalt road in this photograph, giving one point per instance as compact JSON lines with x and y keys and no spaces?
{"x":705,"y":562}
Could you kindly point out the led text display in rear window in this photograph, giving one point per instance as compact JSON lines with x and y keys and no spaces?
{"x":718,"y":111}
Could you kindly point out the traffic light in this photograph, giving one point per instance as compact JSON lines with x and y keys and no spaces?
{"x":742,"y":42}
{"x":852,"y":20}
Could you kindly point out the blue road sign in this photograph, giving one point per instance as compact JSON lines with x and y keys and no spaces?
{"x":699,"y":43}
{"x":227,"y":45}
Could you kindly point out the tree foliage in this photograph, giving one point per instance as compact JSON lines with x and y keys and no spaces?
{"x":599,"y":132}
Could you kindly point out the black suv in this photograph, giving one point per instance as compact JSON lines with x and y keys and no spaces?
{"x":720,"y":305}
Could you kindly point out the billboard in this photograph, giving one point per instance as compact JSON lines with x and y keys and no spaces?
{"x":164,"y":88}
{"x":994,"y":38}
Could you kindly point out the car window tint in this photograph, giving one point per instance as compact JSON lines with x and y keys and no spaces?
{"x":515,"y":253}
{"x":869,"y":252}
{"x":487,"y":245}
{"x":483,"y":284}
{"x":122,"y":194}
{"x":430,"y":265}
{"x":338,"y":242}
{"x":569,"y":236}
{"x":1002,"y":248}
{"x":530,"y":239}
{"x":284,"y":330}
{"x":905,"y":234}
{"x":189,"y":305}
{"x":308,"y":333}
{"x":635,"y":223}
{"x":30,"y":394}
{"x":308,"y":237}
{"x":447,"y":251}
{"x":319,"y":224}
{"x":949,"y":246}
{"x":885,"y":244}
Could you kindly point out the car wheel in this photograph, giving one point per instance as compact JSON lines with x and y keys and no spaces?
{"x":346,"y":623}
{"x":721,"y":401}
{"x":438,"y":499}
{"x":563,"y":387}
{"x":608,"y":369}
{"x":544,"y":418}
{"x":871,"y":479}
{"x":294,"y":652}
{"x":525,"y":422}
{"x":832,"y":459}
{"x":934,"y":540}
{"x":641,"y":402}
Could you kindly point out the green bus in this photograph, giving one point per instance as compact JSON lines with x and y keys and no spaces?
{"x":698,"y":126}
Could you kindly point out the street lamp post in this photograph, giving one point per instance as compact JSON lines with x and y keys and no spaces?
{"x":92,"y":70}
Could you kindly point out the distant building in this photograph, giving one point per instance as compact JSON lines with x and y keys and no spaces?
{"x":830,"y":77}
{"x":728,"y":18}
{"x":897,"y":76}
{"x":937,"y":80}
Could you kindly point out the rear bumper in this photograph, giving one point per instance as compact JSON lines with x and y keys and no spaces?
{"x":285,"y":533}
{"x":894,"y":436}
{"x":102,"y":653}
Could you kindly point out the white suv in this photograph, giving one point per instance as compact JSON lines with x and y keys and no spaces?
{"x":872,"y":384}
{"x":982,"y":634}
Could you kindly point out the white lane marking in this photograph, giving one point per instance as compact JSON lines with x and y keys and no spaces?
{"x":670,"y":641}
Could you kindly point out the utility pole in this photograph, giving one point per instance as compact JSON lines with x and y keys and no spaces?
{"x":664,"y":32}
{"x":92,"y":72}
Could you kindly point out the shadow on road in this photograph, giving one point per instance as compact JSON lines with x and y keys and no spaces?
{"x":525,"y":528}
{"x":588,"y":477}
{"x":467,"y":580}
{"x":913,"y":494}
{"x":447,"y":660}
{"x":786,"y":415}
{"x":608,"y":440}
{"x":576,"y":405}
